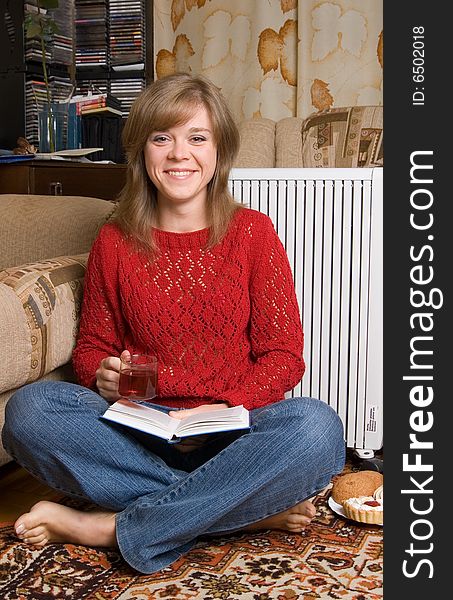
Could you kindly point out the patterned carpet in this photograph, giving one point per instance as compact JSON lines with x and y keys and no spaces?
{"x":332,"y":558}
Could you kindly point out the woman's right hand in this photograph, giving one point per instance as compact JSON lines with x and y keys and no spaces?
{"x":108,"y":377}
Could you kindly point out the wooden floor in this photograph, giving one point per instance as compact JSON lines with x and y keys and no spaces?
{"x":19,"y":491}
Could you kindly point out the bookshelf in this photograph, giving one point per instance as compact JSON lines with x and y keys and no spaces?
{"x":102,"y":45}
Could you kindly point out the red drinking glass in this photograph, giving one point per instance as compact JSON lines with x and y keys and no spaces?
{"x":138,"y":377}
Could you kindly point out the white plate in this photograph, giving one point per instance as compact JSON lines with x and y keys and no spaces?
{"x":338,"y":508}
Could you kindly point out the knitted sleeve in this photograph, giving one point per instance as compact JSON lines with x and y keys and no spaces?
{"x":275,"y":328}
{"x":101,"y":323}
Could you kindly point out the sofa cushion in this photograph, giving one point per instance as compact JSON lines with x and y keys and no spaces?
{"x":288,"y":143}
{"x":344,"y":137}
{"x":39,"y":315}
{"x":257,"y":149}
{"x":34,"y":227}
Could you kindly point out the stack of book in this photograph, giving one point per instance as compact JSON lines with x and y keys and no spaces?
{"x":99,"y":104}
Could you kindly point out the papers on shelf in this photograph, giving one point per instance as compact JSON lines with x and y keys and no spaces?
{"x":61,"y":154}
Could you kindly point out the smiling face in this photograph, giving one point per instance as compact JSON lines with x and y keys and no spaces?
{"x":181,"y":160}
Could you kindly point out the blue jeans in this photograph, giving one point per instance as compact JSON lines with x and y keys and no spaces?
{"x":164,"y":498}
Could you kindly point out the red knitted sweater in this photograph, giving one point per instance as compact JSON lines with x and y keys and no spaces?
{"x":224,"y":322}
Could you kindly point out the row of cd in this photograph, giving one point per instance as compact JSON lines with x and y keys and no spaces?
{"x":109,"y":32}
{"x":60,"y":49}
{"x":99,"y":32}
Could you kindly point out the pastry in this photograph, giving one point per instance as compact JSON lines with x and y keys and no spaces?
{"x":365,"y":509}
{"x":379,"y":493}
{"x":354,"y":485}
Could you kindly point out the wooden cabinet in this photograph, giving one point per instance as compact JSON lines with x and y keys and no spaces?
{"x":63,"y":178}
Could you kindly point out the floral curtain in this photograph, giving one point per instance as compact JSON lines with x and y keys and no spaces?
{"x":275,"y":58}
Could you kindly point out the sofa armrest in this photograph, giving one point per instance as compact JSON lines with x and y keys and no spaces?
{"x":36,"y":227}
{"x":39,"y":315}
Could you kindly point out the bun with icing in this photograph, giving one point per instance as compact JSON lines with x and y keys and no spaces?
{"x":354,"y":485}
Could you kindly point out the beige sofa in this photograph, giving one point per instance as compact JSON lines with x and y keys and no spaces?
{"x":40,"y":295}
{"x":44,"y":244}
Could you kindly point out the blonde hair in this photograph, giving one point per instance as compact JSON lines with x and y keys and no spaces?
{"x":163,"y":104}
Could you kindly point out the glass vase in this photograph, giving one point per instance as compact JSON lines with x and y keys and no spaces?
{"x":52,"y":128}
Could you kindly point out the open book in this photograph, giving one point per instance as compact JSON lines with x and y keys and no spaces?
{"x":150,"y":420}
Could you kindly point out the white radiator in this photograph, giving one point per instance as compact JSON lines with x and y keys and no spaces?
{"x":330,"y":222}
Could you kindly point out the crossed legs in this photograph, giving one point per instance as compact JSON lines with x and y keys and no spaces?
{"x":152,"y":512}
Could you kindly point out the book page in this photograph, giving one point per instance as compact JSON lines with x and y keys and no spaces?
{"x":145,"y":413}
{"x":214,"y":420}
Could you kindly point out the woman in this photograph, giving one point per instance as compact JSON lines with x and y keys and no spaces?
{"x":191,"y":276}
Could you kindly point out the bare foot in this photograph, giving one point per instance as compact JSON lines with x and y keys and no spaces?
{"x":52,"y":522}
{"x":293,"y":519}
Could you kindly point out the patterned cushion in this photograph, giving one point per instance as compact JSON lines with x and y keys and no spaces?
{"x":344,"y":137}
{"x":39,"y":315}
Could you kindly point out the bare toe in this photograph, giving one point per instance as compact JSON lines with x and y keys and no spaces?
{"x":34,"y":532}
{"x":298,"y":520}
{"x":26,"y":524}
{"x":306,"y":508}
{"x":295,"y":528}
{"x":37,"y":540}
